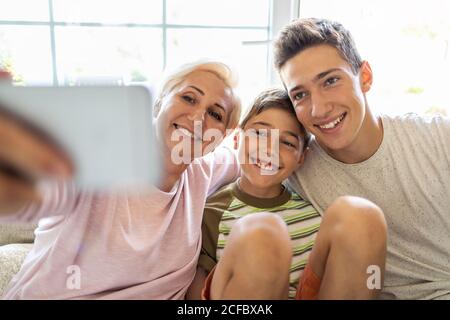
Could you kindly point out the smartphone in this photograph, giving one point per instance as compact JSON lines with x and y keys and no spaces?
{"x":106,"y":130}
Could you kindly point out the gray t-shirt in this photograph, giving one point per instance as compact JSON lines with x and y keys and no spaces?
{"x":409,"y":179}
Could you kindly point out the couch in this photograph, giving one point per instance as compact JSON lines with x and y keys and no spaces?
{"x":16,"y":240}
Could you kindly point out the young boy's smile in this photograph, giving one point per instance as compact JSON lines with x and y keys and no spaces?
{"x":270,"y":149}
{"x":329,"y":98}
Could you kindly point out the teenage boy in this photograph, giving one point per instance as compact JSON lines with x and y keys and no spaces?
{"x":400,"y":163}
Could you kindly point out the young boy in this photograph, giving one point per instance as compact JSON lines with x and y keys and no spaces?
{"x":258,"y":236}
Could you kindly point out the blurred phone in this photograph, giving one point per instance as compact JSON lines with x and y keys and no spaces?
{"x":106,"y":130}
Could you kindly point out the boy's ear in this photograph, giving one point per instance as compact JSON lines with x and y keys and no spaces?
{"x":301,"y":160}
{"x":365,"y":76}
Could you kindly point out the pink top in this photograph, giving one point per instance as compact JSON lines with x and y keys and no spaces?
{"x":119,"y":246}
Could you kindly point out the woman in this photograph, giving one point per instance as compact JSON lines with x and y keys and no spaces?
{"x":127,"y":245}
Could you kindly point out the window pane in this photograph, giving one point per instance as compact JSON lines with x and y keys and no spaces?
{"x":32,"y":10}
{"x":107,"y":11}
{"x":407,"y":44}
{"x":218,"y":12}
{"x":249,"y":60}
{"x":25,"y":51}
{"x":126,"y":54}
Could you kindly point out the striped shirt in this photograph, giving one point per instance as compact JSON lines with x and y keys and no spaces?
{"x":230,"y":203}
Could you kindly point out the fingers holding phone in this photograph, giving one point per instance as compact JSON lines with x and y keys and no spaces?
{"x":25,"y":157}
{"x":107,"y":131}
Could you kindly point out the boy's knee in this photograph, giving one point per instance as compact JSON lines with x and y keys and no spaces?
{"x":265,"y":233}
{"x":354,"y":216}
{"x":261,"y":219}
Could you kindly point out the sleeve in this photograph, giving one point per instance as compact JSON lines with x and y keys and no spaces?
{"x":224,"y":167}
{"x":440,"y":136}
{"x":58,"y":198}
{"x":429,"y":135}
{"x":212,"y":215}
{"x":210,"y":235}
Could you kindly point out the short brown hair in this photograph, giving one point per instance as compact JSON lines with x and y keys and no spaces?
{"x":305,"y":33}
{"x":274,"y":98}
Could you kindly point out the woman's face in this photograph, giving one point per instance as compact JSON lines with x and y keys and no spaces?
{"x":193,"y":117}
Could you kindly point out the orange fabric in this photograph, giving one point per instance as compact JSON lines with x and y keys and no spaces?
{"x":309,"y":286}
{"x":206,"y":291}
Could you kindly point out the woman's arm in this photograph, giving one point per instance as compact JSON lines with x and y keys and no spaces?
{"x":26,"y":158}
{"x":223,"y":167}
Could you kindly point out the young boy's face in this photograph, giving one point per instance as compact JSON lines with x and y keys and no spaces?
{"x":328,"y":97}
{"x":270,"y":147}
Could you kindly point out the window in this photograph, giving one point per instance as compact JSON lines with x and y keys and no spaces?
{"x":407,"y":44}
{"x":25,"y":51}
{"x":68,"y":42}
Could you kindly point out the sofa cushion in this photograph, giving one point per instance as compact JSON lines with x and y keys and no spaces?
{"x":16,"y":240}
{"x":17,"y":233}
{"x":11,"y":259}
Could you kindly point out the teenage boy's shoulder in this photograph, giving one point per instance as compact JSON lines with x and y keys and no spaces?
{"x":414,"y":120}
{"x":427,"y":132}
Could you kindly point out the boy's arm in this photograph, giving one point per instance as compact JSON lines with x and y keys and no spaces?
{"x":206,"y":263}
{"x":214,"y":208}
{"x":195,"y":289}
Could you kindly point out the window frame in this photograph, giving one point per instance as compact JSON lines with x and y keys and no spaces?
{"x":280,"y":13}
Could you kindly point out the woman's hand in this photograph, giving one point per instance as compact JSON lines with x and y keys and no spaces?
{"x":25,"y":157}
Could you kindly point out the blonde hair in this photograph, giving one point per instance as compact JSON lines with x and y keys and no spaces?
{"x":175,"y":77}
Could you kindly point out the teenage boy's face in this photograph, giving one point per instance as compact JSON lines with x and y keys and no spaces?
{"x":270,"y":147}
{"x":328,"y":97}
{"x":200,"y":103}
